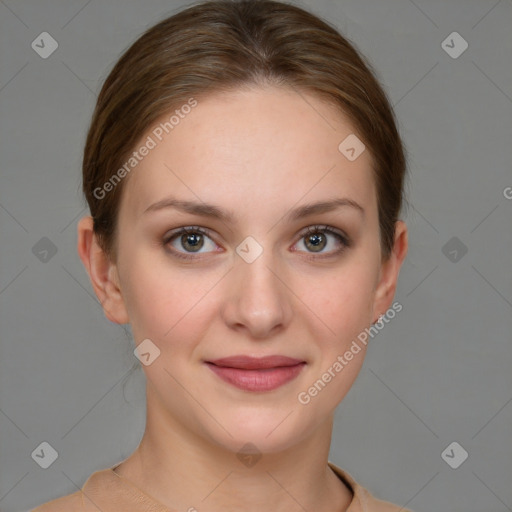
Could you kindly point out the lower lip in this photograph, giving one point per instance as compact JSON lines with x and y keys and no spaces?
{"x":257,"y":380}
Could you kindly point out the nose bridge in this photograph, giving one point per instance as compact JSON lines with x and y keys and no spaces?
{"x":259,"y":274}
{"x":257,"y":270}
{"x":259,"y":300}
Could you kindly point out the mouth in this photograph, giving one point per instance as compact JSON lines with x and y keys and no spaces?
{"x":257,"y":374}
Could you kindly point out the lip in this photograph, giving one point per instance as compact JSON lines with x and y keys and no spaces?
{"x":256,"y":374}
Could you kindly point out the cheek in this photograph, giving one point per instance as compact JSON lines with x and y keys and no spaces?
{"x":343,"y":303}
{"x":149,"y":303}
{"x":343,"y":300}
{"x":161,"y":300}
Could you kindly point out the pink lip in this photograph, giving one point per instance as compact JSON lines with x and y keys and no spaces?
{"x":256,"y":374}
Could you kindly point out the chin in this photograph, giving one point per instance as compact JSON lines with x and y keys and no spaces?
{"x":270,"y":432}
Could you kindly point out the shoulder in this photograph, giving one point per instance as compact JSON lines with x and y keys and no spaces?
{"x":69,"y":503}
{"x":93,"y":493}
{"x":375,"y":505}
{"x":363,"y":500}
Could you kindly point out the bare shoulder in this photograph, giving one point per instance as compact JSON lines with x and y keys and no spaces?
{"x":69,"y":503}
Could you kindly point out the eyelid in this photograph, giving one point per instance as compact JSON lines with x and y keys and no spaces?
{"x":186,"y":229}
{"x":325,"y":227}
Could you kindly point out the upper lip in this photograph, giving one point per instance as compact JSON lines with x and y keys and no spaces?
{"x":255,"y":363}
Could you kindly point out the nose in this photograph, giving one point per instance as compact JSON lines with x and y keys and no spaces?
{"x":257,"y":299}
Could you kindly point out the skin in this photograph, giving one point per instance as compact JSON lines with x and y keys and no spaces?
{"x":257,"y":152}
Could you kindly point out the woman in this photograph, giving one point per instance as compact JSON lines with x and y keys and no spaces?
{"x":244,"y":175}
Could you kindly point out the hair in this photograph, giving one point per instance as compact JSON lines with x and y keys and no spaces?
{"x":222,"y":45}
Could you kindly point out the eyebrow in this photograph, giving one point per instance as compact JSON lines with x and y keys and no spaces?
{"x":208,"y":210}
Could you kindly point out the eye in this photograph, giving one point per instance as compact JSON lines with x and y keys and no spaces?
{"x":191,"y":240}
{"x":188,"y":241}
{"x":316,"y":238}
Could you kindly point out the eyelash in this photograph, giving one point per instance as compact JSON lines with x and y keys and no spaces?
{"x":344,"y":240}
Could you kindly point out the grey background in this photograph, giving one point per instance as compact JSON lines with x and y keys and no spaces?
{"x":439,"y":372}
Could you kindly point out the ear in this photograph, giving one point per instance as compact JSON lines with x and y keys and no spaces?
{"x":102,"y":273}
{"x":389,"y":271}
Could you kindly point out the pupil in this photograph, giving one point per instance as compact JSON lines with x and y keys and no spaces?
{"x":192,"y":240}
{"x":317,"y":241}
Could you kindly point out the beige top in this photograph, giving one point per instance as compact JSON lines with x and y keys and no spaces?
{"x":105,"y":490}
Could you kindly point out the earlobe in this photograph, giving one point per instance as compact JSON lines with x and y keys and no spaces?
{"x":390,"y":270}
{"x":102,"y":272}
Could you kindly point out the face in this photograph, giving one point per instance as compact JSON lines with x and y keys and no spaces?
{"x":256,"y":273}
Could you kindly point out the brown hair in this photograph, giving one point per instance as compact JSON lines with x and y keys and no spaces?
{"x":220,"y":45}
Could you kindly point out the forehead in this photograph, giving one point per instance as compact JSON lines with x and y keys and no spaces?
{"x":255,"y":145}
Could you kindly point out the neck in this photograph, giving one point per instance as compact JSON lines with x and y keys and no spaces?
{"x":186,"y":472}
